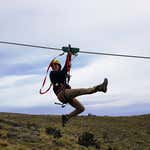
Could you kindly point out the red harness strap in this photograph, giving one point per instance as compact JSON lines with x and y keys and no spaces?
{"x":68,"y":66}
{"x":43,"y":92}
{"x":68,"y":62}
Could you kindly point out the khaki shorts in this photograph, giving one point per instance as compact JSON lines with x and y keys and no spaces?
{"x":67,"y":95}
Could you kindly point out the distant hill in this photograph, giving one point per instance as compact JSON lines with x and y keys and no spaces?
{"x":44,"y":132}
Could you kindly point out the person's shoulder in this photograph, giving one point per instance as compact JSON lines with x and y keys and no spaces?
{"x":51,"y":72}
{"x":54,"y":72}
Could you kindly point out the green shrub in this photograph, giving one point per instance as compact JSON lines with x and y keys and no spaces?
{"x":87,"y":139}
{"x":54,"y":132}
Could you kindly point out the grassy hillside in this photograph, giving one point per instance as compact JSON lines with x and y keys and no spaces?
{"x":44,"y":132}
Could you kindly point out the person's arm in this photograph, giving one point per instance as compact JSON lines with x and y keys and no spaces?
{"x":67,"y":66}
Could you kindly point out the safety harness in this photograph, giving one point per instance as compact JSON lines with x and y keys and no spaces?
{"x":74,"y":52}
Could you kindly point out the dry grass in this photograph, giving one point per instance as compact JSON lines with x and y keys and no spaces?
{"x":28,"y":132}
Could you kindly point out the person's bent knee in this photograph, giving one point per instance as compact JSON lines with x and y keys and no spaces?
{"x":81,"y":109}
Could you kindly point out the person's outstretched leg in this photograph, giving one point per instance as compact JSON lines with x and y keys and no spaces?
{"x":72,"y":93}
{"x":78,"y":109}
{"x":66,"y":95}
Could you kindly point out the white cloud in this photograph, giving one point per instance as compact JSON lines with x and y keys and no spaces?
{"x":126,"y":82}
{"x":25,"y":94}
{"x":58,"y":22}
{"x":123,"y":88}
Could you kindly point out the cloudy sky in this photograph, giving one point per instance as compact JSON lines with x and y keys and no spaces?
{"x":99,"y":26}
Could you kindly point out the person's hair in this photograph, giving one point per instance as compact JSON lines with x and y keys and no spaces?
{"x":56,"y":64}
{"x":59,"y":66}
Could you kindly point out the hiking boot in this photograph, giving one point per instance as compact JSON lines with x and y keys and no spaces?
{"x":64,"y":120}
{"x":102,"y":87}
{"x":105,"y":83}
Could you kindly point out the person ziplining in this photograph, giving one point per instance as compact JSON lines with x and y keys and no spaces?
{"x":65,"y":94}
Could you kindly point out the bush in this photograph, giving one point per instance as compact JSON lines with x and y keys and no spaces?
{"x":53,"y":131}
{"x":87,"y":139}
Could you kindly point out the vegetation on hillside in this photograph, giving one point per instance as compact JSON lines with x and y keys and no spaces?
{"x":44,"y":132}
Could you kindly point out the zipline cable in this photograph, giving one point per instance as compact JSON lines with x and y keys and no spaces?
{"x":30,"y":45}
{"x":119,"y":55}
{"x":85,"y":52}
